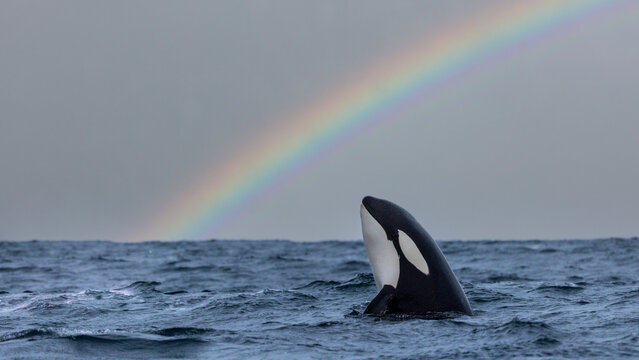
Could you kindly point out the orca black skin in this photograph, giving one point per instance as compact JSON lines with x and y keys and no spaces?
{"x":411,"y":279}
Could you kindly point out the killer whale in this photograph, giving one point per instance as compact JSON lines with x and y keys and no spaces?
{"x":410,"y":271}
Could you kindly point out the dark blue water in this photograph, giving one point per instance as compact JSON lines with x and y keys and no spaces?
{"x":280,"y":299}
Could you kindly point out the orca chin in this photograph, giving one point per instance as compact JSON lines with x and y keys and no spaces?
{"x":410,"y":271}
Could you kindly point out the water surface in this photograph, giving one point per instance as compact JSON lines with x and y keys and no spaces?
{"x":281,"y":299}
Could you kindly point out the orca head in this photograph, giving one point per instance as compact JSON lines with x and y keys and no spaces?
{"x":411,"y":273}
{"x":388,"y":215}
{"x":384,"y":227}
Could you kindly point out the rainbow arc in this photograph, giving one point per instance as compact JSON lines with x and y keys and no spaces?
{"x":353,"y":106}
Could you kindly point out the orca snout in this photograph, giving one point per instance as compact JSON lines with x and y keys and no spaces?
{"x":377,"y":207}
{"x":370,"y":202}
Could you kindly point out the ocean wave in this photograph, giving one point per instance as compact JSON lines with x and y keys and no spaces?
{"x":25,"y":268}
{"x":617,"y":280}
{"x":188,"y":331}
{"x":352,"y":265}
{"x":496,"y":278}
{"x":309,"y":325}
{"x":133,"y":342}
{"x":565,"y":288}
{"x":175,"y":292}
{"x":37,"y":303}
{"x":27,"y":334}
{"x":484,"y":295}
{"x":199,"y":268}
{"x":258,"y":300}
{"x":318,"y":284}
{"x":360,"y":280}
{"x":285,"y":258}
{"x":106,"y":336}
{"x":287,"y":293}
{"x":107,"y":259}
{"x":138,"y":287}
{"x":546,"y":340}
{"x":203,"y":268}
{"x":518,"y":326}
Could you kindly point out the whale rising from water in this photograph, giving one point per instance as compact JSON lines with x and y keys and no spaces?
{"x":410,"y":271}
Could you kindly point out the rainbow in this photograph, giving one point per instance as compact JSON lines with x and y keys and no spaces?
{"x":371,"y":97}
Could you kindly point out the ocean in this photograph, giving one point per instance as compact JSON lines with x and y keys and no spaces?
{"x":281,"y":299}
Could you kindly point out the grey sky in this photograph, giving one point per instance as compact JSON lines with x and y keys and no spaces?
{"x":109,"y":108}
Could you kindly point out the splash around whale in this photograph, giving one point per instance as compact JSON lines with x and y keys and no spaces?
{"x":410,"y":271}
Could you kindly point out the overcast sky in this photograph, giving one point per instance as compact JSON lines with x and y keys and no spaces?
{"x":108,"y":109}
